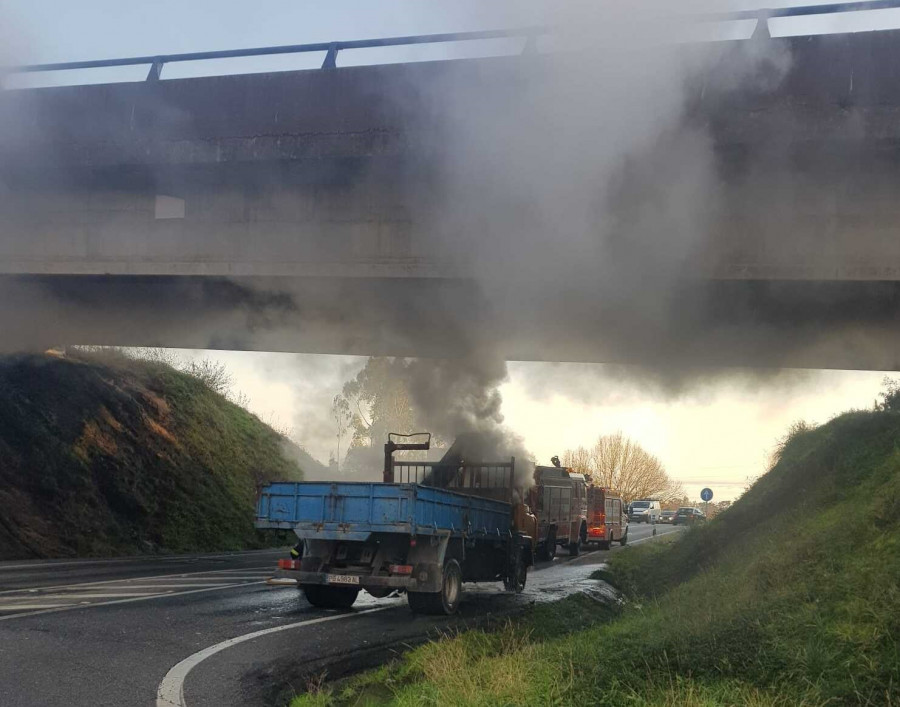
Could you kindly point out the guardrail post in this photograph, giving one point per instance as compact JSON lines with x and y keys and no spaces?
{"x":761,"y":31}
{"x":331,"y":57}
{"x":155,"y":70}
{"x":530,"y":44}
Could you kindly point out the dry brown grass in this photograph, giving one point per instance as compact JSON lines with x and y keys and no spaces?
{"x":94,"y":438}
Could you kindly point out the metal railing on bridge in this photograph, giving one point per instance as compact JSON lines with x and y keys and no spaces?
{"x":530,"y":36}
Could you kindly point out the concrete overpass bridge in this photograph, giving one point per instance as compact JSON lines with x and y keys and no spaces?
{"x":298,"y":211}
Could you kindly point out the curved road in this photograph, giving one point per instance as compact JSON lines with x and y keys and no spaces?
{"x":107,"y":632}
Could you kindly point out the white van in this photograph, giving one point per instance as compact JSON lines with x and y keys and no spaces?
{"x":644,"y":511}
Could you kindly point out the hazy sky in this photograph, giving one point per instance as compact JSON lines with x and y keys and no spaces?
{"x":718,"y":435}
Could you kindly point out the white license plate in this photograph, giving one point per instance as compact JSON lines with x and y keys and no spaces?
{"x":341,"y":579}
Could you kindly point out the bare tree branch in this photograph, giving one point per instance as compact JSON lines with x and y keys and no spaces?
{"x":615,"y":461}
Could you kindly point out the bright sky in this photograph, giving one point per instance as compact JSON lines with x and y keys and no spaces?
{"x":718,"y":435}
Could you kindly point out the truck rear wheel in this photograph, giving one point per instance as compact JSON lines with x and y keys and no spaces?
{"x":516,"y":582}
{"x":551,"y":546}
{"x":445,"y":601}
{"x":546,"y":551}
{"x":325,"y":597}
{"x":580,"y":541}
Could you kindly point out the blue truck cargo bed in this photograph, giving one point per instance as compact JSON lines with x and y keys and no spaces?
{"x":353,"y":510}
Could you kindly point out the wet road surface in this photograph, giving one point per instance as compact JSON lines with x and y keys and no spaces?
{"x":107,"y":632}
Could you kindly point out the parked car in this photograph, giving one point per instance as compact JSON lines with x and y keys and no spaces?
{"x":667,"y":516}
{"x":644,"y":511}
{"x":688,"y":516}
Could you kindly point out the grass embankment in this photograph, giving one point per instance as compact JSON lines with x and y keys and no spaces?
{"x":791,"y":597}
{"x":112,"y":455}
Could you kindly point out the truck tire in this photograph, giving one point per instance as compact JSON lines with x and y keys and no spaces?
{"x":575,"y":548}
{"x":624,"y":538}
{"x":444,"y":602}
{"x":551,"y":546}
{"x":327,"y":597}
{"x":516,"y":583}
{"x":546,"y":551}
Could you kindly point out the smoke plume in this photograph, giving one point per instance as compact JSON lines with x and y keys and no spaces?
{"x":581,"y":196}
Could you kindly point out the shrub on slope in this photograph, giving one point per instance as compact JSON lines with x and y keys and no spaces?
{"x":796,"y":588}
{"x":125,"y":456}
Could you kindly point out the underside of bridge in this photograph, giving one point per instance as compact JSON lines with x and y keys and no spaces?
{"x":327,"y":212}
{"x":762,"y":323}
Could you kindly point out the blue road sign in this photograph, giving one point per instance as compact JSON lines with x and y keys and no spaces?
{"x":706,"y":495}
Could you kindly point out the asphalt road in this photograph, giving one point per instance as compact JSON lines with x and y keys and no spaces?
{"x":107,"y":632}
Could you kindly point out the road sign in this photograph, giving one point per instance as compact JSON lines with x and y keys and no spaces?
{"x":706,"y":495}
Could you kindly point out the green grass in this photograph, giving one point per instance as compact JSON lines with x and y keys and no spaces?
{"x":105,"y":455}
{"x":791,"y":597}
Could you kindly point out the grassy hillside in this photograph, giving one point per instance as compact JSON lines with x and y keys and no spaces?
{"x":106,"y":456}
{"x":791,"y":597}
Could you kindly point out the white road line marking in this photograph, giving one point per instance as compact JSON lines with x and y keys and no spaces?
{"x":177,"y":581}
{"x":171,"y":689}
{"x":233,"y":577}
{"x":185,"y":575}
{"x":26,"y":607}
{"x":166,"y":585}
{"x":92,"y":595}
{"x":126,"y":601}
{"x":138,"y":560}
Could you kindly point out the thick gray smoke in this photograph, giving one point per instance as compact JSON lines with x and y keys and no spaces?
{"x":579,"y":195}
{"x":460,"y":396}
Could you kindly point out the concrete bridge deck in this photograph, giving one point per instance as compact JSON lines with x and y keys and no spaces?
{"x":325,"y":173}
{"x":295,"y":211}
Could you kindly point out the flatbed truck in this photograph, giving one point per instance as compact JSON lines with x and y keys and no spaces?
{"x":426,"y":528}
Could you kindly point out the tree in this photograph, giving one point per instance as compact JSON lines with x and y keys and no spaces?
{"x":615,"y":461}
{"x":378,"y":402}
{"x":890,"y":395}
{"x":578,"y":460}
{"x":340,"y":412}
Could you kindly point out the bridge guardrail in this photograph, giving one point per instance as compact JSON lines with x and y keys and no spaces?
{"x":529,"y":34}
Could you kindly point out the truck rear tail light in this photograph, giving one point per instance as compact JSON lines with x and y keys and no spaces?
{"x":594,"y":532}
{"x":401,"y":569}
{"x":289,"y":564}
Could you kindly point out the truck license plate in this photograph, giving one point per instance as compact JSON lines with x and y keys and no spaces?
{"x":341,"y":579}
